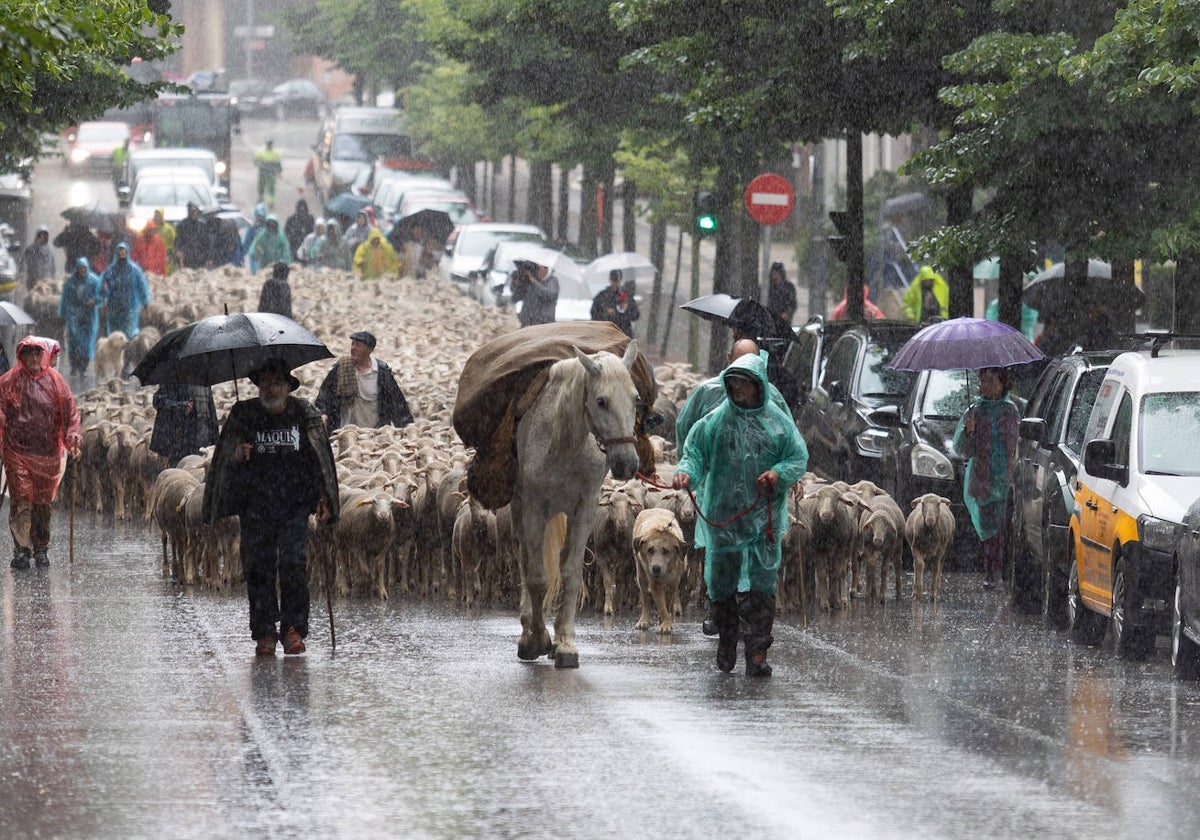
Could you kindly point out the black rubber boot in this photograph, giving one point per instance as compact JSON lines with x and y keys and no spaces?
{"x":725,"y":618}
{"x":21,"y":557}
{"x":757,"y":613}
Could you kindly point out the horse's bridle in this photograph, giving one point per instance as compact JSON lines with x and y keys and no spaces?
{"x":602,"y":443}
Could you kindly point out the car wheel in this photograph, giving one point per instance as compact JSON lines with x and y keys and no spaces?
{"x":1130,"y":642}
{"x":1025,"y":581}
{"x":1185,"y":654}
{"x":1084,"y":626}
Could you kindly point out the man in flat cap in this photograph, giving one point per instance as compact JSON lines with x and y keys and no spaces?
{"x":361,"y":390}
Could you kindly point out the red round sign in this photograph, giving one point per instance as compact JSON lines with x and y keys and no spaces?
{"x":769,"y":198}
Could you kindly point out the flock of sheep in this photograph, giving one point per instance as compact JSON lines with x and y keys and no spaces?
{"x":407,"y":525}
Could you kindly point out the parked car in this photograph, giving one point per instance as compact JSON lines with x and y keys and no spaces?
{"x":296,"y":98}
{"x":467,"y":252}
{"x":90,"y":146}
{"x":1043,"y":480}
{"x":250,"y":96}
{"x":350,"y":142}
{"x":1185,"y":620}
{"x":844,"y":442}
{"x":1140,"y":471}
{"x":804,"y":359}
{"x":389,"y":194}
{"x":454,"y":204}
{"x":489,"y":283}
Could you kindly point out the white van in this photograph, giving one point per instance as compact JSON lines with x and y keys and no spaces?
{"x":202,"y":159}
{"x":1140,"y":471}
{"x":352,"y":140}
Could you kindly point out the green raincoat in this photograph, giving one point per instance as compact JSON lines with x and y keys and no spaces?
{"x":725,"y":452}
{"x":989,"y":452}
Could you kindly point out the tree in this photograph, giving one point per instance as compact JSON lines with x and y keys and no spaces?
{"x":61,"y":63}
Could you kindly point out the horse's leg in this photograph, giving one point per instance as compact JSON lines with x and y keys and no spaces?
{"x":566,"y":655}
{"x":535,"y":640}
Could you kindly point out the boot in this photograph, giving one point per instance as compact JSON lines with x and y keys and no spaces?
{"x":21,"y":557}
{"x":725,"y":617}
{"x":757,"y":613}
{"x":41,"y":557}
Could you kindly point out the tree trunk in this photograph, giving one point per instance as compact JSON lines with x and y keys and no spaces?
{"x":856,"y":260}
{"x":959,"y":277}
{"x":587,"y":215}
{"x":564,"y":204}
{"x":606,"y":212}
{"x":629,"y":216}
{"x":1123,"y":317}
{"x":466,"y":178}
{"x":724,"y":263}
{"x":1187,"y":297}
{"x":658,"y":256}
{"x":541,"y":195}
{"x":1011,"y":275}
{"x":816,"y":266}
{"x":512,"y":188}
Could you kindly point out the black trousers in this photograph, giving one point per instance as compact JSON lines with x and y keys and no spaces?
{"x":273,"y":558}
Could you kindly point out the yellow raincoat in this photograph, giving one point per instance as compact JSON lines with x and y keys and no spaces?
{"x":376,"y":257}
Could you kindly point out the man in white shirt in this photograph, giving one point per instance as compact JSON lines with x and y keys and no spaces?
{"x":360,"y":390}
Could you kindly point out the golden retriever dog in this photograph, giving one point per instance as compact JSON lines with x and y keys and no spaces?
{"x":660,"y":553}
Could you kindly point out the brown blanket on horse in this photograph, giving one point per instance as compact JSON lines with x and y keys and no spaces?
{"x":500,"y":372}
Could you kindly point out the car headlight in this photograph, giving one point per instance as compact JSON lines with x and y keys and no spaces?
{"x":79,"y":155}
{"x":928,"y":462}
{"x":870,"y":442}
{"x":137,"y":223}
{"x":221,"y":167}
{"x":1158,"y":534}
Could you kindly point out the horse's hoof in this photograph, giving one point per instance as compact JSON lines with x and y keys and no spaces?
{"x":528,"y":653}
{"x":566,"y":660}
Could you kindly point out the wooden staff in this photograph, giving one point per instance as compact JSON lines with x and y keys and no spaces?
{"x":71,"y":538}
{"x":329,"y":592}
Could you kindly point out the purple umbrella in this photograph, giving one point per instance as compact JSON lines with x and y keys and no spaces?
{"x":965,"y":343}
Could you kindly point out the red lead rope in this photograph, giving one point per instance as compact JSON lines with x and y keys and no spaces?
{"x":764,"y":491}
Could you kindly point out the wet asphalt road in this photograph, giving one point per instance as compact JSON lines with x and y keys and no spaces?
{"x":131,"y":707}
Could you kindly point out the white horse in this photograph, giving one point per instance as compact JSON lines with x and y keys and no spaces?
{"x":578,"y":428}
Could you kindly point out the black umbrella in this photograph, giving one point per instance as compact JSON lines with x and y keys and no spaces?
{"x":435,"y":223}
{"x":13,"y":315}
{"x":1048,"y":291}
{"x":225,"y":347}
{"x":743,"y":315}
{"x":93,"y":216}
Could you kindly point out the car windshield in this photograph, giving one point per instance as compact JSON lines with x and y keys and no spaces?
{"x":880,"y":381}
{"x":173,"y":194}
{"x":204,"y":165}
{"x":368,"y":147}
{"x":948,"y":393}
{"x":476,"y":243}
{"x":1170,"y":426}
{"x":102,"y":133}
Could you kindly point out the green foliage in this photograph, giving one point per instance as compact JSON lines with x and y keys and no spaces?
{"x":61,"y":62}
{"x":663,"y":174}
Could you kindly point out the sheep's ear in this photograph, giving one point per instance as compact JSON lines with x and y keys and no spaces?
{"x":944,"y":500}
{"x":913,"y":504}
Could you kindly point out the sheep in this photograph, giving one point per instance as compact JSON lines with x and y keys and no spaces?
{"x":363,"y":535}
{"x":110,"y":356}
{"x":930,"y":532}
{"x":883,"y":527}
{"x":828,"y":516}
{"x":611,"y":538}
{"x":473,"y":540}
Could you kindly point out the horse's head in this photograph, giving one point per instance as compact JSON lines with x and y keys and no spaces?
{"x":610,"y":404}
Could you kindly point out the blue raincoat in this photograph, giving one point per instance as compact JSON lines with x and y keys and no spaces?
{"x":725,"y":452}
{"x":125,"y":291}
{"x":82,"y":321}
{"x":270,"y":246}
{"x":260,"y":222}
{"x":988,"y":452}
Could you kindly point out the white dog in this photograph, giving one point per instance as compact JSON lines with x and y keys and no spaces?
{"x":661,"y":558}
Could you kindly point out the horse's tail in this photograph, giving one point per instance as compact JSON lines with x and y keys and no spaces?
{"x":554,"y":537}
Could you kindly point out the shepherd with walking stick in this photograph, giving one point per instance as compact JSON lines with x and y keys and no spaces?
{"x":38,"y":422}
{"x":272,"y":467}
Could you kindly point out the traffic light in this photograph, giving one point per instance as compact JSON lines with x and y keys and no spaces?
{"x":841,"y":242}
{"x":704,"y":209}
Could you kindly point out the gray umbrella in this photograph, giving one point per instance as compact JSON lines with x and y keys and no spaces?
{"x":13,"y":315}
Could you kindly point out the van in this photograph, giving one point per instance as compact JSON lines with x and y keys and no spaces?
{"x":1140,"y":471}
{"x":351,"y":142}
{"x":205,"y":161}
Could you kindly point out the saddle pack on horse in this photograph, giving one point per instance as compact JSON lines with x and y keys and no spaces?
{"x":503,"y":378}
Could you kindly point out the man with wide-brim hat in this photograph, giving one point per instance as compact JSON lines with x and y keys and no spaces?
{"x":272,"y":467}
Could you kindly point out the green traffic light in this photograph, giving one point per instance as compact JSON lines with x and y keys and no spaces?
{"x":706,"y":224}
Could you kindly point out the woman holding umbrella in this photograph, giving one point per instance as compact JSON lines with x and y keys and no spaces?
{"x":987,"y":437}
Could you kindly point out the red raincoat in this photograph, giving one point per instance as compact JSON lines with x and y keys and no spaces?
{"x":870,"y":310}
{"x":38,"y":422}
{"x":149,"y":252}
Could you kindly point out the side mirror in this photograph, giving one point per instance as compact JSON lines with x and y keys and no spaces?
{"x":887,"y":416}
{"x":1098,"y":460}
{"x":1033,"y":428}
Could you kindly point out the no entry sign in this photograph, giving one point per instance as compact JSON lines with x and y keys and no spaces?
{"x":769,"y":198}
